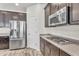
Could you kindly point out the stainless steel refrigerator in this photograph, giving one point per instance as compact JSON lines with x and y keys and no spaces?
{"x":17,"y":34}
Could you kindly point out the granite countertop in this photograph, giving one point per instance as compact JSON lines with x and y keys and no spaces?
{"x":4,"y":34}
{"x":71,"y":49}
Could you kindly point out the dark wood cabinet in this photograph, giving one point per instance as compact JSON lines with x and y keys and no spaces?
{"x":6,"y":18}
{"x":54,"y":8}
{"x":42,"y":45}
{"x":47,"y":13}
{"x":22,"y":16}
{"x":15,"y":16}
{"x":18,"y":16}
{"x":1,"y":19}
{"x":61,"y":5}
{"x":57,"y":6}
{"x":51,"y":8}
{"x":51,"y":50}
{"x":4,"y":42}
{"x":62,"y":53}
{"x":47,"y":48}
{"x":74,"y":13}
{"x":54,"y":51}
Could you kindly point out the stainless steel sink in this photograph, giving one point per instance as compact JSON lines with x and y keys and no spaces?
{"x":51,"y":38}
{"x":59,"y":40}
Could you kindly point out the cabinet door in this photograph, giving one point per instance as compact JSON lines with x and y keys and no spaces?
{"x":62,"y":53}
{"x":15,"y":16}
{"x":42,"y":46}
{"x":7,"y":18}
{"x":22,"y":16}
{"x":47,"y":49}
{"x":74,"y":13}
{"x":1,"y":19}
{"x":47,"y":13}
{"x":54,"y":51}
{"x":4,"y":42}
{"x":54,"y":8}
{"x":61,"y":5}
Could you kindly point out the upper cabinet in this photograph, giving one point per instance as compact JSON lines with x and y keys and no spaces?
{"x":74,"y":13}
{"x":6,"y":16}
{"x":61,"y":5}
{"x":51,"y":8}
{"x":15,"y":16}
{"x":22,"y":16}
{"x":57,"y":6}
{"x":1,"y":19}
{"x":47,"y":13}
{"x":54,"y":8}
{"x":18,"y":16}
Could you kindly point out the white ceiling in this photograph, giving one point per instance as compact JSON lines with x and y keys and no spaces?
{"x":21,"y":5}
{"x":11,"y":6}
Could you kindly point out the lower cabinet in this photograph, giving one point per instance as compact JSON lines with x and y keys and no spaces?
{"x":54,"y":51}
{"x":42,"y":45}
{"x":49,"y":49}
{"x":62,"y":53}
{"x":4,"y":42}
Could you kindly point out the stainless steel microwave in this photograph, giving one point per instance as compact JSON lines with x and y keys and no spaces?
{"x":59,"y":18}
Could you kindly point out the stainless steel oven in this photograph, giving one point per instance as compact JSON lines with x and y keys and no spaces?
{"x":59,"y":18}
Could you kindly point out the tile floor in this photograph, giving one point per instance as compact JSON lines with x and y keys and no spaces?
{"x":20,"y":52}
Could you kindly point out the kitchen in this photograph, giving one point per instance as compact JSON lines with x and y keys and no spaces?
{"x":30,"y":26}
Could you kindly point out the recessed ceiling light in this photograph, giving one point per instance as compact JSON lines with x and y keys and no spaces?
{"x":17,"y":4}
